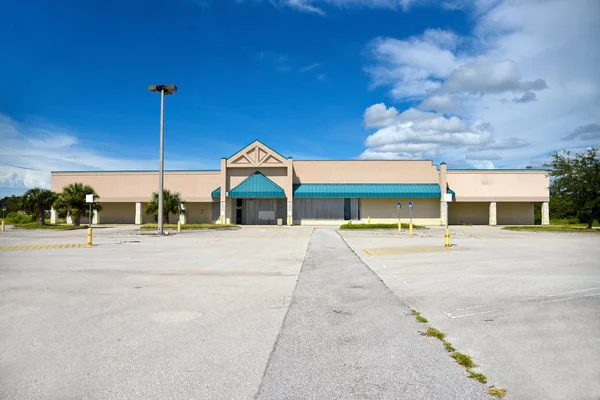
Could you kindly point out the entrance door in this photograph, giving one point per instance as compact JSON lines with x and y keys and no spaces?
{"x":238,"y":211}
{"x":347,"y":210}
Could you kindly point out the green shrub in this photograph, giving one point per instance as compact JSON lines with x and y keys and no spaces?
{"x":350,"y":225}
{"x":463,"y":359}
{"x":18,"y":218}
{"x":435,"y":333}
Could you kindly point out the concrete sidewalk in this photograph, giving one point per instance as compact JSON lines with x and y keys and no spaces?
{"x":347,"y":336}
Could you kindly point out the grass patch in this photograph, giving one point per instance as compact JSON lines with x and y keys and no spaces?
{"x":477,"y":376}
{"x":34,"y":225}
{"x":463,"y":359}
{"x":449,"y":347}
{"x":187,"y":226}
{"x":497,"y":391}
{"x":419,"y":317}
{"x":379,"y":226}
{"x":435,"y":333}
{"x":553,"y":228}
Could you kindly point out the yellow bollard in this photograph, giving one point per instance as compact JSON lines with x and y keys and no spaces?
{"x":447,"y":237}
{"x":410,"y":229}
{"x":399,"y":226}
{"x":2,"y":225}
{"x":368,"y":220}
{"x":178,"y":226}
{"x":89,"y":236}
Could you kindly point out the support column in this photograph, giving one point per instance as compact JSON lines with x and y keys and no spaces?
{"x":95,"y":218}
{"x":223,"y":208}
{"x":53,"y":216}
{"x":545,"y":213}
{"x":290,"y":212}
{"x":443,"y":190}
{"x":138,"y":213}
{"x":289,"y":191}
{"x":444,"y":213}
{"x":182,"y":218}
{"x":69,"y":219}
{"x":493,"y":219}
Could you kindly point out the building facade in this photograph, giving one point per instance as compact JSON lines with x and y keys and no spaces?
{"x":259,"y":186}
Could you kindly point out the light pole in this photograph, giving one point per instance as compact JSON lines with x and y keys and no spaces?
{"x":164,"y":90}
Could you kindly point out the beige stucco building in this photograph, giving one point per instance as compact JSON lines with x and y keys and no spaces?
{"x":257,"y":185}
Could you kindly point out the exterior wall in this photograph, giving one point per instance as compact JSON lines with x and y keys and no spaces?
{"x":499,"y":185}
{"x":469,"y":213}
{"x":515,"y":213}
{"x":425,"y":211}
{"x":138,"y":186}
{"x":117,"y":213}
{"x":198,"y":213}
{"x":365,"y":171}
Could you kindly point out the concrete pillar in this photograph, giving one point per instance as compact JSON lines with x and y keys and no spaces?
{"x":493,"y":218}
{"x":443,"y":203}
{"x":138,"y":213}
{"x":444,"y":213}
{"x":53,"y":216}
{"x":289,"y":191}
{"x":545,"y":213}
{"x":223,"y":209}
{"x":290,"y":212}
{"x":182,"y":218}
{"x":69,"y":219}
{"x":95,"y":218}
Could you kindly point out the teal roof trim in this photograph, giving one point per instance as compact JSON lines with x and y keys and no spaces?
{"x":450,"y":191}
{"x":216,"y":193}
{"x":256,"y":185}
{"x":368,"y":190}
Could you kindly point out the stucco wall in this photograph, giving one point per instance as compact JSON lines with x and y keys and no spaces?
{"x":514,"y":213}
{"x":117,"y":213}
{"x":498,"y":185}
{"x":139,"y":186}
{"x":198,"y":213}
{"x":365,"y":171}
{"x":425,"y":211}
{"x":473,"y":213}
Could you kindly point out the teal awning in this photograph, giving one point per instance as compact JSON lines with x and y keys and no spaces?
{"x":256,"y":185}
{"x":216,"y":193}
{"x":368,"y":190}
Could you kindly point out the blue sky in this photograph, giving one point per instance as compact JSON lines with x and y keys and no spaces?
{"x":477,"y":83}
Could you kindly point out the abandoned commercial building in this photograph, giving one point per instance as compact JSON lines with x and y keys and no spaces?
{"x":258,"y":186}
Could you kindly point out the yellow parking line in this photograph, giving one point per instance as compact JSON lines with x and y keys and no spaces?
{"x":47,"y":246}
{"x":2,"y":248}
{"x":79,"y":246}
{"x":11,"y":248}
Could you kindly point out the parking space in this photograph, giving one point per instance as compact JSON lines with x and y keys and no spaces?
{"x":524,"y":305}
{"x":193,"y":315}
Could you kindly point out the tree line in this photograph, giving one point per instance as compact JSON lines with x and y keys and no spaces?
{"x":575,"y":186}
{"x":71,"y":201}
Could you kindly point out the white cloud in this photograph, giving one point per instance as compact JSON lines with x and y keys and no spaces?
{"x":485,"y":76}
{"x":525,"y":98}
{"x":441,"y":103}
{"x":414,"y":66}
{"x":310,"y":67}
{"x":30,"y":151}
{"x":316,"y":6}
{"x":515,"y":52}
{"x":585,"y":132}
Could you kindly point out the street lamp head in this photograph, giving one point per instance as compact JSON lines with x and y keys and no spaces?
{"x":168,"y":89}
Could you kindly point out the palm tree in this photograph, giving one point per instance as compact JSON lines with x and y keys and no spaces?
{"x":36,"y":201}
{"x":171,"y":203}
{"x":72,"y":201}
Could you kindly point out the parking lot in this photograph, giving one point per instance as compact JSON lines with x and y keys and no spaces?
{"x":202,"y":315}
{"x":524,"y":305}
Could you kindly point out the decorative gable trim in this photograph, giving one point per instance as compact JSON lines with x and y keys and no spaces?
{"x":256,"y":154}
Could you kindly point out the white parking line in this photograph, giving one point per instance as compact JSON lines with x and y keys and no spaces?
{"x":571,"y":298}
